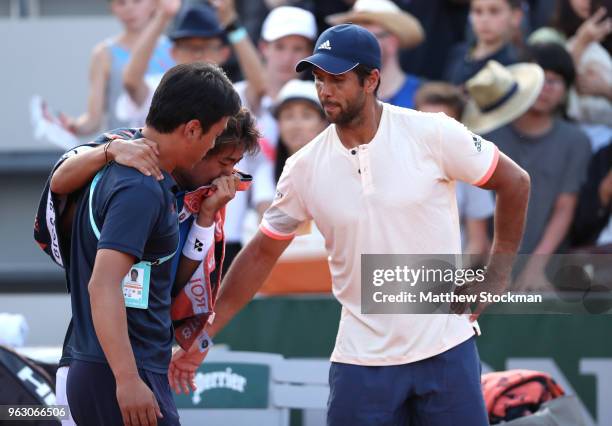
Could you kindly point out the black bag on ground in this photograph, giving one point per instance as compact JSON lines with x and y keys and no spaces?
{"x":26,"y":382}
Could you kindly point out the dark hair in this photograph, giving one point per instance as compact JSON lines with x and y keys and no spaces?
{"x":363,"y":72}
{"x":196,"y":91}
{"x":565,"y":19}
{"x":439,"y":92}
{"x":515,"y":4}
{"x":282,"y":154}
{"x":553,"y":57}
{"x":241,"y":131}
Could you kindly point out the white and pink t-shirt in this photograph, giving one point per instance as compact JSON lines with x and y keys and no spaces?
{"x":394,"y":195}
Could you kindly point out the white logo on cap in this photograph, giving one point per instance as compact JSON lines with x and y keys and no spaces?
{"x":325,"y":45}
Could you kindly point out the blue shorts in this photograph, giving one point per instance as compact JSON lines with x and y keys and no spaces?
{"x":443,"y":390}
{"x":92,"y":391}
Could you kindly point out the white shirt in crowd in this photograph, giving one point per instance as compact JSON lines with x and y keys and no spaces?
{"x":474,"y":203}
{"x":258,"y":166}
{"x":130,"y":112}
{"x":395,"y":195}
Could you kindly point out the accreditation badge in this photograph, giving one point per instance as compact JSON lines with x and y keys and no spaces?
{"x":135,"y":286}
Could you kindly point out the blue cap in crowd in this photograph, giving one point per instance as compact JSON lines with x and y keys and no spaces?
{"x":198,"y":20}
{"x":341,"y":48}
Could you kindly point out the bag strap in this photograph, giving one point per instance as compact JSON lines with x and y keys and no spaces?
{"x":95,"y":228}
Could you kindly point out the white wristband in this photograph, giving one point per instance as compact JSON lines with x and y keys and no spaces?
{"x":199,"y":240}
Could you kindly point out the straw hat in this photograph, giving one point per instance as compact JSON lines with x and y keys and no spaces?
{"x":499,"y":94}
{"x":386,"y":14}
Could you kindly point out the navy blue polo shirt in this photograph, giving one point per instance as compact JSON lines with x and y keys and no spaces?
{"x":136,"y":215}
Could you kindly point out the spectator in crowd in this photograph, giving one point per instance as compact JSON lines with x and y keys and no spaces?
{"x":199,"y":35}
{"x":109,"y":58}
{"x":592,"y":225}
{"x":320,"y":9}
{"x":494,"y":23}
{"x":252,"y":13}
{"x":287,"y":35}
{"x":475,"y":204}
{"x":439,"y":96}
{"x":444,"y":22}
{"x":300,"y":119}
{"x":498,"y":95}
{"x":586,"y":31}
{"x":553,"y":151}
{"x":540,"y":13}
{"x":591,"y":101}
{"x":394,"y":29}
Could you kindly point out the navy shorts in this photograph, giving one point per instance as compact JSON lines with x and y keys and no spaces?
{"x":443,"y":390}
{"x":91,"y":392}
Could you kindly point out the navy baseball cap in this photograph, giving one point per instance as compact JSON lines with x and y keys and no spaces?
{"x":198,"y":20}
{"x":341,"y":48}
